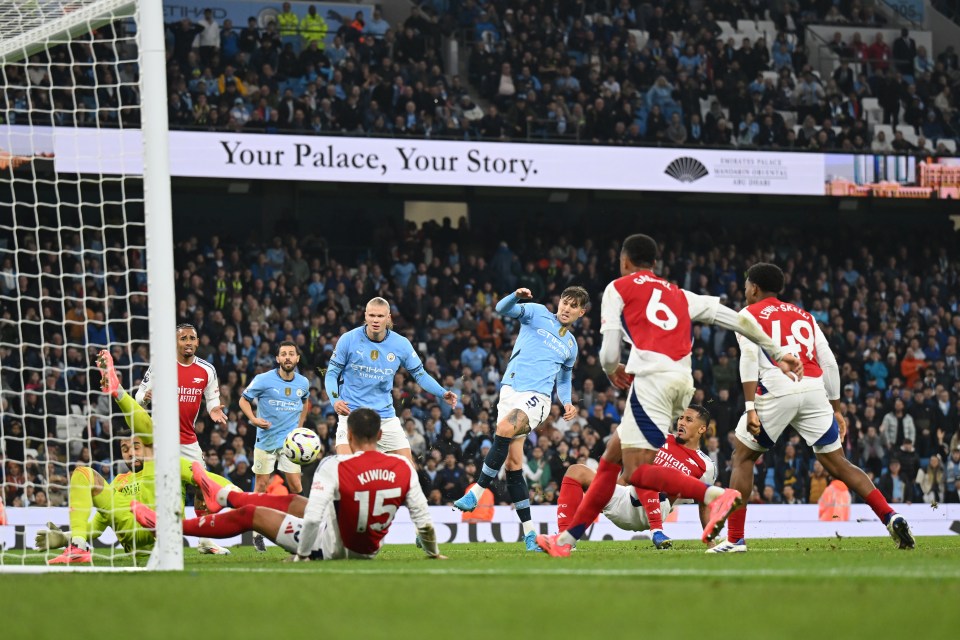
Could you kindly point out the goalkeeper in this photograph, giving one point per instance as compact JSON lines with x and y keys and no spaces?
{"x":110,"y":501}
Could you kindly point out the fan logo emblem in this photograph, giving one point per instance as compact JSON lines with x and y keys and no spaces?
{"x":686,"y":169}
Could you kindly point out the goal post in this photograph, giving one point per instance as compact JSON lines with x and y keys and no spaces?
{"x":86,"y":262}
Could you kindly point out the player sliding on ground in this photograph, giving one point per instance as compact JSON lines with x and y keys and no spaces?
{"x":625,"y":509}
{"x":812,"y":406}
{"x":352,"y":503}
{"x":655,"y":318}
{"x":110,"y":501}
{"x":360,"y":374}
{"x":543,"y":357}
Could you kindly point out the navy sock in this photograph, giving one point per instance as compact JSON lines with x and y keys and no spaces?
{"x":519,"y":494}
{"x":494,"y":460}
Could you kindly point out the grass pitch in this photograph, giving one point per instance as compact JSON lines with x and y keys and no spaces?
{"x":850,"y":588}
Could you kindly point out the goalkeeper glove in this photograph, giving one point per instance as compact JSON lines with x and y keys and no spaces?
{"x":51,"y":538}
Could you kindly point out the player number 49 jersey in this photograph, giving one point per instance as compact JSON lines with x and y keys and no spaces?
{"x":365,"y":490}
{"x":797,"y":331}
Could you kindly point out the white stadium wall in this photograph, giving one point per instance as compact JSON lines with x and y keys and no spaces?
{"x":763,"y":521}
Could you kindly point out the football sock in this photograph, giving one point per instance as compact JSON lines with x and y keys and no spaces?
{"x":81,"y":502}
{"x":492,"y":463}
{"x":135,"y":416}
{"x":596,"y":498}
{"x":671,"y":482}
{"x":879,"y":505}
{"x":520,"y":496}
{"x":571,"y":494}
{"x":238,"y":499}
{"x":650,"y":501}
{"x":221,"y":525}
{"x":736,"y":523}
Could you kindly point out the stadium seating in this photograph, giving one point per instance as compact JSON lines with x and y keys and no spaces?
{"x":466,"y":271}
{"x":348,"y":90}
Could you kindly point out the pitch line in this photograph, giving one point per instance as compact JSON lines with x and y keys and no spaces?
{"x":705,"y":572}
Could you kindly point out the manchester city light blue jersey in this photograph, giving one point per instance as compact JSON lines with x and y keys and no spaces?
{"x":544,"y":351}
{"x":361,"y":371}
{"x":280,"y":403}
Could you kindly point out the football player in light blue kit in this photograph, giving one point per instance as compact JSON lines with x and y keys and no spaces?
{"x":543,"y":357}
{"x":360,"y":375}
{"x":283,"y":401}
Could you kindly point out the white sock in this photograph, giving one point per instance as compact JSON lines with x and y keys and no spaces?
{"x":222,"y":494}
{"x":80,"y":543}
{"x":527,"y":528}
{"x":566,"y":538}
{"x":477,"y":491}
{"x":712,"y":494}
{"x":655,"y":530}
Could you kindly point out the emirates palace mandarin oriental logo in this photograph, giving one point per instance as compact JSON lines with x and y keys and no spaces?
{"x":686,"y":169}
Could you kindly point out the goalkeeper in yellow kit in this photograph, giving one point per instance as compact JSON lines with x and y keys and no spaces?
{"x":90,"y":491}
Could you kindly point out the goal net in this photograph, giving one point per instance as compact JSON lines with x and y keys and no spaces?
{"x":86,"y":266}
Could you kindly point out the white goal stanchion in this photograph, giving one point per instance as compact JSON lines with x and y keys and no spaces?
{"x":86,"y":263}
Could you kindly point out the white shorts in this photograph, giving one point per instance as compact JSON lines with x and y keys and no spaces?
{"x":392,"y":437}
{"x":193,"y":453}
{"x":535,"y":405}
{"x":264,"y":462}
{"x":622,"y":512}
{"x":810,"y":413}
{"x":654,"y":403}
{"x":327,"y":546}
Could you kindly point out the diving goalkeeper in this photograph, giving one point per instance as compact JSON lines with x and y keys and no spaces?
{"x":110,"y":501}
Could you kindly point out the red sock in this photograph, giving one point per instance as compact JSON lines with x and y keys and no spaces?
{"x":668,"y":481}
{"x":221,"y":525}
{"x":736,"y":523}
{"x":280,"y":503}
{"x":879,"y":505}
{"x":597,"y":497}
{"x":571,"y":494}
{"x":651,"y":504}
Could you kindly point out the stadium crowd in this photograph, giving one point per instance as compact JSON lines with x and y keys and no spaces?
{"x":889,"y":308}
{"x":602,"y":71}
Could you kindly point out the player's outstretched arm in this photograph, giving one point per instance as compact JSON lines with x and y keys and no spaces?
{"x":709,"y":310}
{"x":326,"y":485}
{"x":508,"y":305}
{"x":145,"y":390}
{"x":414,"y":367}
{"x":247,"y":409}
{"x":416,"y":503}
{"x":565,"y":391}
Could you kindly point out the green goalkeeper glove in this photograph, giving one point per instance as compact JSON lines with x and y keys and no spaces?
{"x":51,"y":538}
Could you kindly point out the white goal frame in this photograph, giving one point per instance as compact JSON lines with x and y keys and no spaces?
{"x":72,"y":20}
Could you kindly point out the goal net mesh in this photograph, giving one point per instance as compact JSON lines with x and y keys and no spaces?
{"x":73,"y":281}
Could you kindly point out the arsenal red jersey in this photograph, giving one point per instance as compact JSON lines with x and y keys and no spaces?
{"x":797,"y":331}
{"x":654,"y":316}
{"x":196,"y":382}
{"x":692,"y":462}
{"x":365,"y":490}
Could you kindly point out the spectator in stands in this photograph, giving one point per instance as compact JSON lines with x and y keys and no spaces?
{"x":878,"y":55}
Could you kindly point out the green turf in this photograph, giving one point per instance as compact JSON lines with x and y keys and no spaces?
{"x":812,"y":589}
